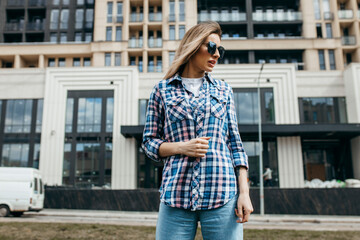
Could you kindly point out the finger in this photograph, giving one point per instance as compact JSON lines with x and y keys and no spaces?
{"x":239,"y":220}
{"x":202,"y":146}
{"x":202,"y":141}
{"x":206,"y":138}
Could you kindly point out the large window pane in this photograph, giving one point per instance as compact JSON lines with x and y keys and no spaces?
{"x":18,"y":116}
{"x":108,"y":33}
{"x":107,"y":59}
{"x":89,"y":115}
{"x":69,"y":115}
{"x":181,"y":10}
{"x":172,"y":11}
{"x":54,"y":19}
{"x":171,"y":32}
{"x":108,"y":164}
{"x":79,"y":18}
{"x":36,"y":157}
{"x":39,"y":114}
{"x":322,"y":60}
{"x":15,"y":155}
{"x":317,"y":9}
{"x":328,"y":30}
{"x":119,"y":15}
{"x":64,"y":19}
{"x":87,"y":164}
{"x":181,"y":31}
{"x":109,"y":12}
{"x":66,"y":163}
{"x":171,"y":57}
{"x":89,"y":18}
{"x":142,"y":111}
{"x":109,"y":114}
{"x":118,"y":34}
{"x":332,"y":60}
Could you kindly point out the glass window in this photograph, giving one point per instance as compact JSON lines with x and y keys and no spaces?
{"x":318,"y":30}
{"x":108,"y":33}
{"x":56,"y":2}
{"x":140,"y":66}
{"x":322,"y":60}
{"x":328,"y":30}
{"x":66,"y":2}
{"x":89,"y":115}
{"x":142,"y":110}
{"x":108,"y":164}
{"x":69,"y":115}
{"x":64,"y":19}
{"x":109,"y":12}
{"x":80,"y":2}
{"x":87,"y":62}
{"x":107,"y":59}
{"x":36,"y":156}
{"x":119,"y":15}
{"x":87,"y":164}
{"x":39,"y":114}
{"x":326,"y":6}
{"x":181,"y":31}
{"x":76,"y":62}
{"x":317,"y":9}
{"x":117,"y":59}
{"x":172,"y":11}
{"x":171,"y":57}
{"x":181,"y":10}
{"x":54,"y":19}
{"x":158,"y":64}
{"x":89,"y":18}
{"x":150,"y":64}
{"x":332,"y":60}
{"x":53,"y":37}
{"x":79,"y":18}
{"x":66,"y":164}
{"x":61,"y":62}
{"x":323,"y":110}
{"x":0,"y":109}
{"x":109,"y":114}
{"x":63,"y":37}
{"x":51,"y":62}
{"x":15,"y":155}
{"x":118,"y":34}
{"x":90,"y":1}
{"x":88,"y":37}
{"x":171,"y":32}
{"x":18,"y":116}
{"x":78,"y":37}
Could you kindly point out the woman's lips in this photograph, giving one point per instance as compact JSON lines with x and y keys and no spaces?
{"x":212,"y":63}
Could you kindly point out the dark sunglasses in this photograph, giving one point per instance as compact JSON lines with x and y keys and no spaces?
{"x":211,"y":46}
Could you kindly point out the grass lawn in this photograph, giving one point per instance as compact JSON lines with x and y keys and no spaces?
{"x":40,"y":231}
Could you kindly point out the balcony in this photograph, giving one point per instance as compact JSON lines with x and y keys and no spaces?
{"x":328,"y":16}
{"x":155,"y":17}
{"x":348,"y":40}
{"x":36,"y":3}
{"x":271,"y":16}
{"x":136,"y":17}
{"x":135,"y":43}
{"x":155,"y":43}
{"x":35,"y":26}
{"x":14,"y":26}
{"x":222,"y":16}
{"x":15,"y":3}
{"x":345,"y":14}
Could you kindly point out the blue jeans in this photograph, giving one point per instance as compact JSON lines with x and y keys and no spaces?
{"x":216,"y":224}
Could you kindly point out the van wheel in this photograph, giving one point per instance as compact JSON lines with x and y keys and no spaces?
{"x":4,"y":211}
{"x":17,"y":214}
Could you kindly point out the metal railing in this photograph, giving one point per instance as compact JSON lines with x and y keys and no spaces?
{"x":155,"y":42}
{"x":348,"y":40}
{"x":345,"y":14}
{"x":135,"y":43}
{"x":328,"y":15}
{"x":12,"y":3}
{"x":136,"y":17}
{"x":222,"y":17}
{"x":14,"y":26}
{"x":37,"y":3}
{"x":277,"y":16}
{"x":155,"y":17}
{"x":35,"y":26}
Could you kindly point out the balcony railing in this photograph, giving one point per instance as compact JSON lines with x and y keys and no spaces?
{"x":345,"y":14}
{"x":222,"y":17}
{"x":277,"y":16}
{"x":136,"y":17}
{"x":15,"y":3}
{"x":348,"y":40}
{"x":35,"y":26}
{"x":37,"y":3}
{"x":328,"y":15}
{"x":14,"y":26}
{"x":155,"y":17}
{"x":135,"y":43}
{"x":155,"y":42}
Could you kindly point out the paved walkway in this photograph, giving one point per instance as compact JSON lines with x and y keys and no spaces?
{"x":288,"y":222}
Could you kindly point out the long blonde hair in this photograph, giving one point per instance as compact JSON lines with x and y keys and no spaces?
{"x":190,"y":43}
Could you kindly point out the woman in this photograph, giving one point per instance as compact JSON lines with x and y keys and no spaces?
{"x":191,"y":125}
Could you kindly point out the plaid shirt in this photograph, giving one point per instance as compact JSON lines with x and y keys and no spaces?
{"x":174,"y":115}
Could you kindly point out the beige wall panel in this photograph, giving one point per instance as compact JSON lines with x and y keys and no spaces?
{"x":352,"y":86}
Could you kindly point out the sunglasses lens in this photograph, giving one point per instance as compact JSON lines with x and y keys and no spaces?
{"x":221,"y":52}
{"x":211,"y":48}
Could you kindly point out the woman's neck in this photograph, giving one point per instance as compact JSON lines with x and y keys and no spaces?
{"x":191,"y":72}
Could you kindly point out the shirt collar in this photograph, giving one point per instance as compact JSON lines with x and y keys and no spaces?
{"x":207,"y":76}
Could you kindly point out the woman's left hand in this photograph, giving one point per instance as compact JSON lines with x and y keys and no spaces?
{"x":244,"y":208}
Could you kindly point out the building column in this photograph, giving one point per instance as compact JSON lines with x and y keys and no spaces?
{"x":41,"y":61}
{"x":290,"y":162}
{"x":17,"y":61}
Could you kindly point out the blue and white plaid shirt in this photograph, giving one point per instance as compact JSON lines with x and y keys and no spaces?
{"x":174,"y":115}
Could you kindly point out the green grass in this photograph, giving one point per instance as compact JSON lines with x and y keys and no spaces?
{"x":57,"y":231}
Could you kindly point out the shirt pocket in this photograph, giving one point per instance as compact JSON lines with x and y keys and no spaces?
{"x":177,"y":109}
{"x":217,"y":106}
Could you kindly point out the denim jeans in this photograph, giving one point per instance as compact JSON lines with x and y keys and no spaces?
{"x":216,"y":224}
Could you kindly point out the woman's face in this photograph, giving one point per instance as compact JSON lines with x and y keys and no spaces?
{"x":202,"y":60}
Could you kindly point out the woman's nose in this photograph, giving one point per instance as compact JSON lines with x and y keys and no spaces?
{"x":217,"y":53}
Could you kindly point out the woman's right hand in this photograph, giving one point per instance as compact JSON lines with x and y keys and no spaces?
{"x":196,"y":147}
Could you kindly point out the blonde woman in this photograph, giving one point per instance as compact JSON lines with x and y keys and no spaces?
{"x":191,"y":125}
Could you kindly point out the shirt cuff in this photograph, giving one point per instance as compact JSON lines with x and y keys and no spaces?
{"x":151,"y":148}
{"x":241,"y":159}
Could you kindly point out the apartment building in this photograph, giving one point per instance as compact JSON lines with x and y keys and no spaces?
{"x":76,"y":75}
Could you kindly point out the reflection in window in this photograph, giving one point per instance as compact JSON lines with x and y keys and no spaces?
{"x":323,"y":110}
{"x":89,"y":115}
{"x":64,"y":19}
{"x":69,"y":115}
{"x":66,"y":164}
{"x":108,"y":164}
{"x":107,"y":59}
{"x":39,"y":114}
{"x":89,"y":18}
{"x":54,"y":19}
{"x":142,"y":110}
{"x":18,"y":116}
{"x":36,"y":156}
{"x":109,"y":114}
{"x":15,"y":155}
{"x":87,"y":164}
{"x":79,"y":18}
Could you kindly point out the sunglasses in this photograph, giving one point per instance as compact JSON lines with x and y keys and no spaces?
{"x":211,"y":46}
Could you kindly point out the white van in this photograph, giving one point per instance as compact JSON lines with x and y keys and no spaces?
{"x":21,"y":190}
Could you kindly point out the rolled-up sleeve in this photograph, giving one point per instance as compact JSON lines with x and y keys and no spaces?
{"x":153,"y":130}
{"x":239,"y":156}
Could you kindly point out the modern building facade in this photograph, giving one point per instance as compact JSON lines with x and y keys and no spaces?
{"x":76,"y":76}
